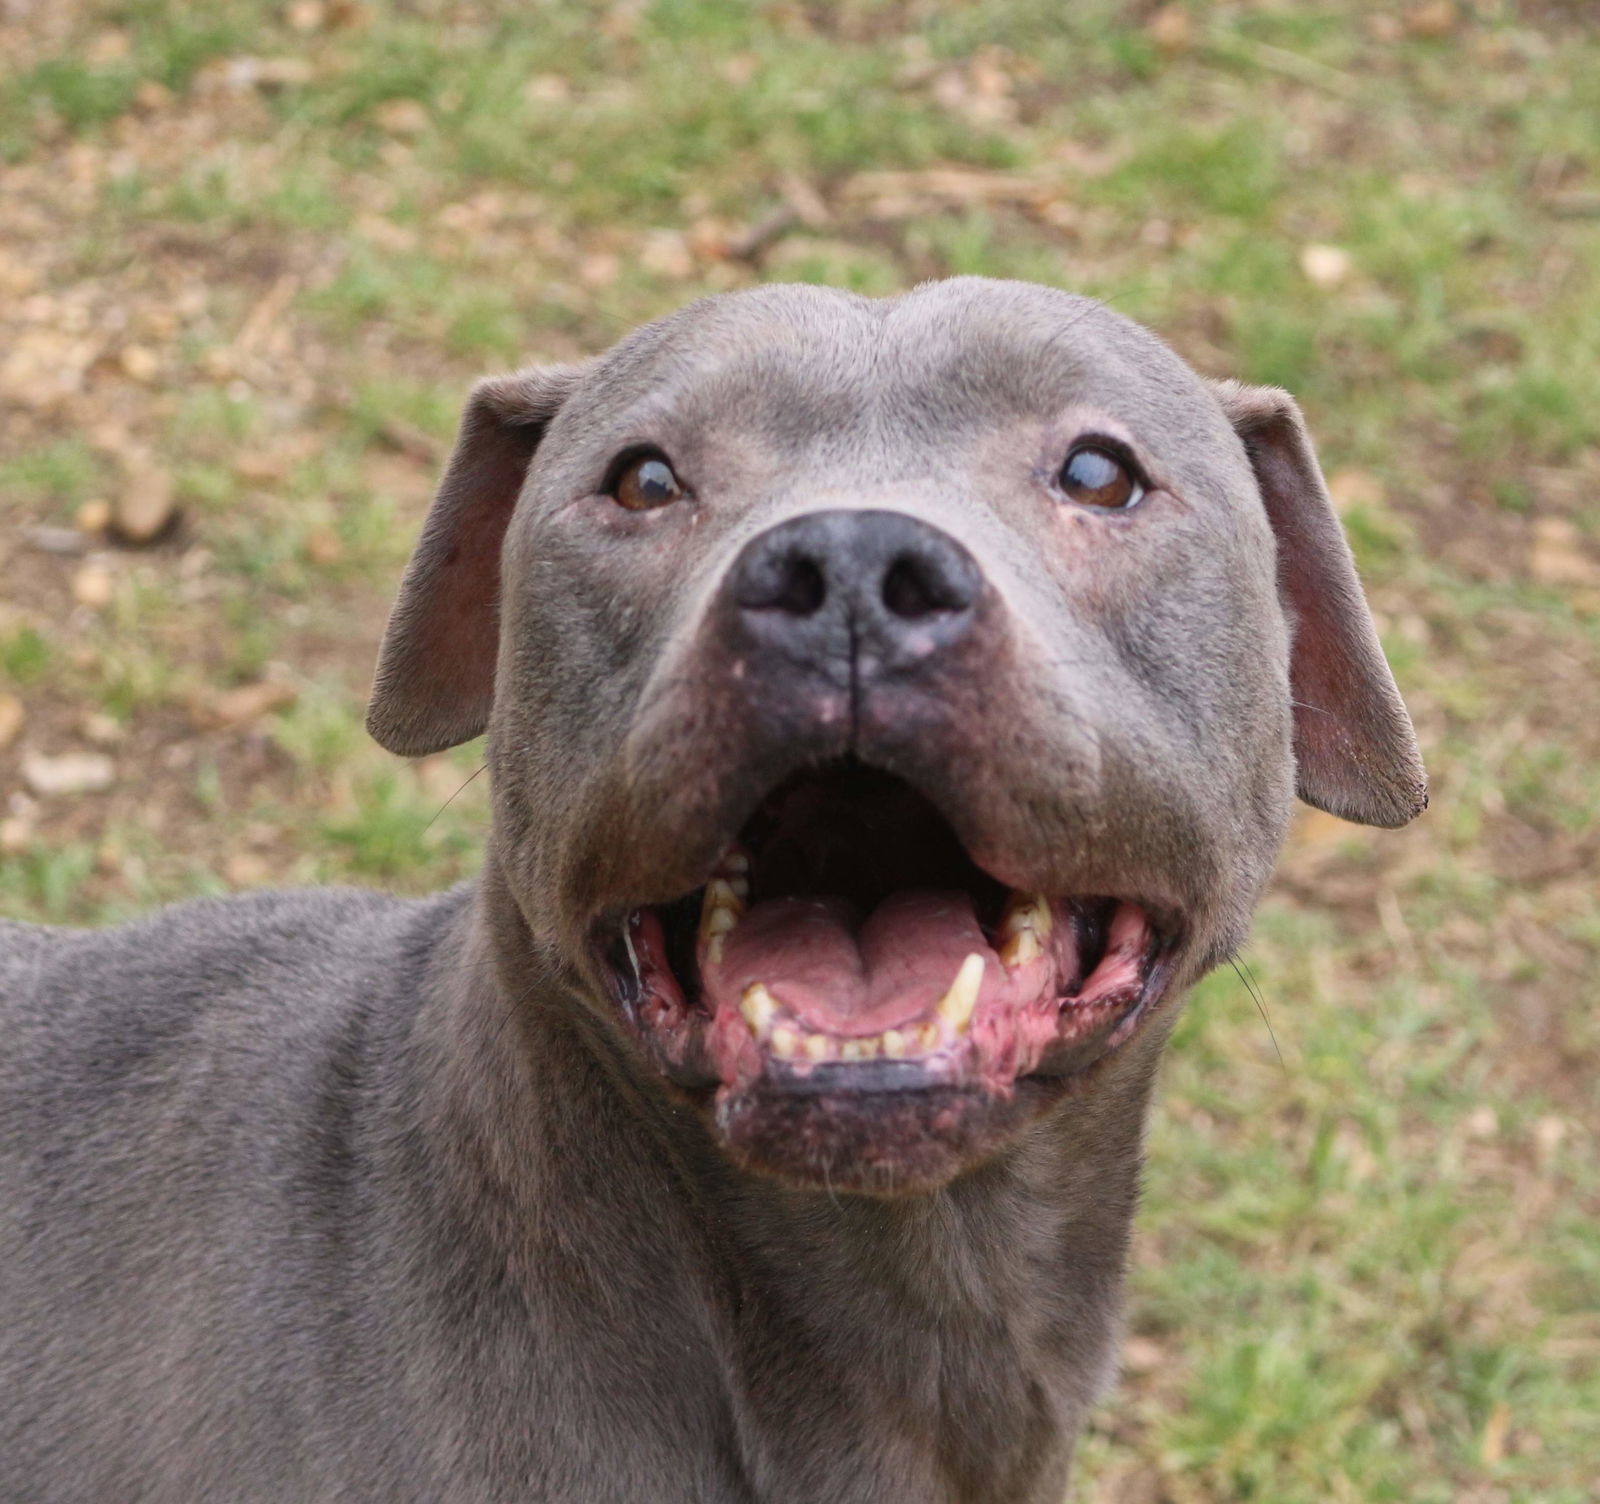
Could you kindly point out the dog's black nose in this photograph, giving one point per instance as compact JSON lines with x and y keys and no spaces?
{"x":882,"y":587}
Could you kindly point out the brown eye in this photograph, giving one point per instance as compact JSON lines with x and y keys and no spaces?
{"x":1097,"y":478}
{"x":647,"y":482}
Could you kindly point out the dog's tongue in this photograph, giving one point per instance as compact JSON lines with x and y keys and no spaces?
{"x":843,"y":977}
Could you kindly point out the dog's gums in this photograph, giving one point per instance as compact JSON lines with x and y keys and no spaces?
{"x":847,"y":944}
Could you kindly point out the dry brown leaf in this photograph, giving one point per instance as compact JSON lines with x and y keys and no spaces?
{"x":1556,"y":555}
{"x":152,"y":97}
{"x":599,"y":269}
{"x":962,"y":185}
{"x":93,"y":516}
{"x":1142,"y":1355}
{"x":244,"y":869}
{"x":1492,"y":1449}
{"x":12,"y":717}
{"x":323,"y":547}
{"x":140,"y":362}
{"x":1436,"y":19}
{"x":402,"y":117}
{"x":306,"y":15}
{"x":249,"y":702}
{"x":1171,"y":28}
{"x":1350,"y":487}
{"x":101,"y":729}
{"x":547,"y":88}
{"x":666,"y":253}
{"x":145,"y":509}
{"x":93,"y":585}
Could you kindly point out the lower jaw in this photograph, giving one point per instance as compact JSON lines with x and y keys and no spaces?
{"x":899,"y":1127}
{"x":876,"y":1142}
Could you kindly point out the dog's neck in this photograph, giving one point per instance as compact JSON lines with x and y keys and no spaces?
{"x":973,"y":1324}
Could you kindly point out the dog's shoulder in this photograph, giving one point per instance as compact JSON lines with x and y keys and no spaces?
{"x":91,"y":1015}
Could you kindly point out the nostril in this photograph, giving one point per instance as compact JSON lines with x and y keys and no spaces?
{"x":793,"y":584}
{"x":913,"y":587}
{"x":805,"y":589}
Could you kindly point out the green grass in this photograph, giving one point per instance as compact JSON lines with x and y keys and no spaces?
{"x":1367,"y":1270}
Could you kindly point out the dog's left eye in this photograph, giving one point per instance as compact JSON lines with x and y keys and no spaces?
{"x":645,"y":483}
{"x":1096,"y":477}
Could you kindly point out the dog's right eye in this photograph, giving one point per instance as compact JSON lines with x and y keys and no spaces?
{"x":645,"y":482}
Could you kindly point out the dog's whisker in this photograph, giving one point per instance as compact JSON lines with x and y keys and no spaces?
{"x":1242,"y":971}
{"x":481,"y":768}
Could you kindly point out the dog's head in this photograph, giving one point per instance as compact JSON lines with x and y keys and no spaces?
{"x":890,"y":703}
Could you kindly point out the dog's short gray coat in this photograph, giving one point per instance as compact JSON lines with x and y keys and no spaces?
{"x":329,"y":1196}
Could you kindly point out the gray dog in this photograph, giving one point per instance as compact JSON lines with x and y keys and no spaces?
{"x":893,"y":707}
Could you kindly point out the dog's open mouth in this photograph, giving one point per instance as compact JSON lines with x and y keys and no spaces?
{"x":847,"y":943}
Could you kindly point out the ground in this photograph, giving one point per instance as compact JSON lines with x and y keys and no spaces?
{"x":252,"y":254}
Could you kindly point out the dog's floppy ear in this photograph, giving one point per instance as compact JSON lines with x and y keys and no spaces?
{"x":435,"y":680}
{"x":1355,"y":751}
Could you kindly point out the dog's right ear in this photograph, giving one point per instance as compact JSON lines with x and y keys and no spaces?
{"x":1355,"y":751}
{"x":434,"y":685}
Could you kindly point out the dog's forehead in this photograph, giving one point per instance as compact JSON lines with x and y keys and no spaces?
{"x":943,"y":358}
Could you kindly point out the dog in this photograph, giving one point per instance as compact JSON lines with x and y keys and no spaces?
{"x":893,"y":707}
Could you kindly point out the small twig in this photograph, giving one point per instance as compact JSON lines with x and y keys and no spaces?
{"x":751,"y":241}
{"x":1293,"y":65}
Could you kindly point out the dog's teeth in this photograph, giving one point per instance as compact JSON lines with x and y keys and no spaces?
{"x":785,"y":1042}
{"x":860,"y":1049}
{"x":633,"y":955}
{"x":720,"y":911}
{"x":894,"y":1044}
{"x":818,"y":1047}
{"x":759,"y":1008}
{"x":1021,"y":948}
{"x":1027,"y":911}
{"x":1024,"y":926}
{"x":926,"y":1037}
{"x":956,"y":1006}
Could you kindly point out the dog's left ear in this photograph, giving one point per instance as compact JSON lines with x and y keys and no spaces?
{"x":1355,"y":750}
{"x":434,"y":685}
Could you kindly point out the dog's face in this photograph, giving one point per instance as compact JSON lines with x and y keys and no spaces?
{"x":891,"y":704}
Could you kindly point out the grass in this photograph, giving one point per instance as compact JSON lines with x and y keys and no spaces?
{"x":265,"y":248}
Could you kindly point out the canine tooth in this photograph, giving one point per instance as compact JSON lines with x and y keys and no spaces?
{"x":894,"y":1043}
{"x":785,"y":1042}
{"x":759,"y":1008}
{"x":633,"y":955}
{"x":818,"y":1047}
{"x":956,"y":1006}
